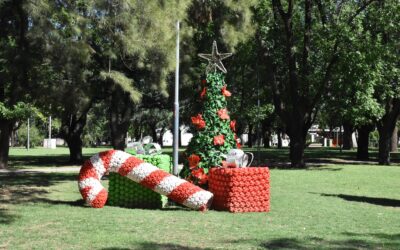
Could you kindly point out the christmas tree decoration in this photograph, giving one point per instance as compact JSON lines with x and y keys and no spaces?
{"x":215,"y":59}
{"x":146,"y":174}
{"x":214,"y":131}
{"x":225,"y":92}
{"x":198,"y":121}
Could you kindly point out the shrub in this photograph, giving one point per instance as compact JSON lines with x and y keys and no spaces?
{"x":36,"y":138}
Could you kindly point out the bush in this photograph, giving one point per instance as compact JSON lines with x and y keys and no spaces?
{"x":36,"y":138}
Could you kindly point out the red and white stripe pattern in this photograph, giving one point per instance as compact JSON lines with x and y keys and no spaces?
{"x":143,"y":173}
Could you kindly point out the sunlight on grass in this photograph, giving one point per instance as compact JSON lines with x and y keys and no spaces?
{"x":341,"y":206}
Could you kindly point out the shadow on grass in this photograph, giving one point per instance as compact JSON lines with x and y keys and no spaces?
{"x":323,"y":168}
{"x":381,"y":236}
{"x":314,"y":167}
{"x":351,"y":241}
{"x":287,"y":243}
{"x":25,"y":188}
{"x":315,"y":242}
{"x":21,"y":195}
{"x":271,"y":157}
{"x":6,"y":217}
{"x":77,"y":203}
{"x":54,"y":160}
{"x":156,"y":246}
{"x":279,"y":158}
{"x":32,"y":195}
{"x":39,"y":161}
{"x":36,"y":179}
{"x":386,"y":202}
{"x":355,"y":241}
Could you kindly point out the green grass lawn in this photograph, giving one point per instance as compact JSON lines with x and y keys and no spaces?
{"x":42,"y":157}
{"x":330,"y":207}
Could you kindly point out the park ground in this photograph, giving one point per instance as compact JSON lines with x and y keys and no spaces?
{"x":336,"y":203}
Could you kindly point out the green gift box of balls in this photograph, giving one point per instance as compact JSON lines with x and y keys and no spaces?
{"x":123,"y":192}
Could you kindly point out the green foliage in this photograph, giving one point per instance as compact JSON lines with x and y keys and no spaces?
{"x":124,"y":82}
{"x":366,"y":75}
{"x":257,"y":114}
{"x":202,"y":143}
{"x":136,"y":39}
{"x":35,"y":136}
{"x":97,"y":125}
{"x":19,"y":111}
{"x":227,"y":22}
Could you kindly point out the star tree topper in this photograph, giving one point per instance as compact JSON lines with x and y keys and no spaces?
{"x":215,"y":59}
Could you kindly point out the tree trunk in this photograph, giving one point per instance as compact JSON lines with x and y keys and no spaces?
{"x":250,"y":136}
{"x":279,"y":135}
{"x":363,"y":141}
{"x":386,"y":127}
{"x":395,"y":139}
{"x":120,"y":115}
{"x":5,"y":131}
{"x":154,"y":133}
{"x":384,"y":147}
{"x":13,"y":138}
{"x":160,"y":139}
{"x":267,"y":137}
{"x":118,"y":139}
{"x":347,"y":134}
{"x":137,"y":132}
{"x":297,"y":146}
{"x":75,"y":149}
{"x":266,"y":132}
{"x":71,"y":131}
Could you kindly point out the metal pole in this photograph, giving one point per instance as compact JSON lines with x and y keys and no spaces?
{"x":29,"y":136}
{"x":49,"y":142}
{"x":337,"y":138}
{"x":176,"y":106}
{"x":341,"y":139}
{"x":258,"y":120}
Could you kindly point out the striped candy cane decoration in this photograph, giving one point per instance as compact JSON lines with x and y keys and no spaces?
{"x":143,"y":173}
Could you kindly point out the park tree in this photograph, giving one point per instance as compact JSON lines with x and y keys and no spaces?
{"x":71,"y":87}
{"x":133,"y":42}
{"x":383,"y":25}
{"x":366,"y":93}
{"x":227,"y":22}
{"x":252,"y":104}
{"x":301,"y":42}
{"x":351,"y":101}
{"x":20,"y":65}
{"x":153,"y":116}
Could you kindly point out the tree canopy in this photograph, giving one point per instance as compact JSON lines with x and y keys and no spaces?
{"x":105,"y":68}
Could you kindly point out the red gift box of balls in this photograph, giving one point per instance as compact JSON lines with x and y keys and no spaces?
{"x":240,"y":189}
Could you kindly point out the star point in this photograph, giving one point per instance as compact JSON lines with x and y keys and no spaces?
{"x":215,"y":59}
